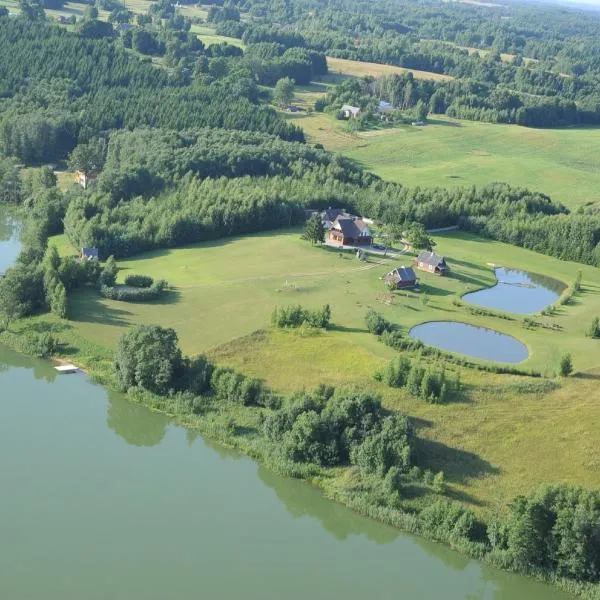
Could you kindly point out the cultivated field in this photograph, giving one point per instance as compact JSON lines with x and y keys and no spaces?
{"x":448,"y":153}
{"x":225,"y":290}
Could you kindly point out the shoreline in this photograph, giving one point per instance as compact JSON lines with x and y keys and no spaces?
{"x":318,"y":477}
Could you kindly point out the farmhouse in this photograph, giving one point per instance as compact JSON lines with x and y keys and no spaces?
{"x":432,"y":262}
{"x":330,"y":215}
{"x":350,"y":231}
{"x":401,"y":278}
{"x":351,"y":112}
{"x":89,"y":254}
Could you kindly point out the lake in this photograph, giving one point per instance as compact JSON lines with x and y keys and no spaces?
{"x":470,"y":340}
{"x":518,"y":292}
{"x":102,"y":498}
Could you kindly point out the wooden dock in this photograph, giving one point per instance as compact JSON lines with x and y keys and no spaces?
{"x":66,"y":369}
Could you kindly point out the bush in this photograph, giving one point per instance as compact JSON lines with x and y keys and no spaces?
{"x":566,"y":365}
{"x":594,"y":329}
{"x":139,"y":281}
{"x":397,"y":371}
{"x":296,"y":316}
{"x":229,"y":385}
{"x":376,"y":323}
{"x":42,"y":345}
{"x":134,"y":294}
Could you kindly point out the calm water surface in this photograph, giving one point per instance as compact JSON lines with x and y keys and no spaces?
{"x":518,"y":292}
{"x":105,"y":499}
{"x":478,"y":342}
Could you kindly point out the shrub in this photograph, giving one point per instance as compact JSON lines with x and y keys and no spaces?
{"x":134,"y":294}
{"x":376,"y":323}
{"x":594,"y":329}
{"x":296,"y":316}
{"x":566,"y":365}
{"x":232,"y":386}
{"x":139,"y":281}
{"x":397,"y":371}
{"x":108,"y":276}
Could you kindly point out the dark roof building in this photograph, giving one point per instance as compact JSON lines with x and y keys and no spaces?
{"x":89,"y":254}
{"x":350,"y":231}
{"x":432,"y":262}
{"x":401,"y":277}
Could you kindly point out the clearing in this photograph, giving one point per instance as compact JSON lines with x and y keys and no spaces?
{"x":449,"y":153}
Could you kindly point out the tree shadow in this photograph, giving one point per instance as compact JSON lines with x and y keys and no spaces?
{"x":344,"y":329}
{"x":45,"y":327}
{"x":90,"y":309}
{"x":459,"y":466}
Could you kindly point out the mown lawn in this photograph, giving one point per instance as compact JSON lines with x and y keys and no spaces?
{"x":505,"y":434}
{"x":449,"y":153}
{"x":227,"y":289}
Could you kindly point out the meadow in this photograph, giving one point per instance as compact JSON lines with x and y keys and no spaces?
{"x":449,"y":153}
{"x":223,"y":294}
{"x":355,"y":68}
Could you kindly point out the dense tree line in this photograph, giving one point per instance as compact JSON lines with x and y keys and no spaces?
{"x":557,"y":72}
{"x":60,"y":89}
{"x":148,"y":160}
{"x":459,"y":98}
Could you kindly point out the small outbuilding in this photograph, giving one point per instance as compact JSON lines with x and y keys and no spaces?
{"x":384,"y":108}
{"x":432,"y":263}
{"x":89,"y":254}
{"x":351,"y":112}
{"x":401,"y":278}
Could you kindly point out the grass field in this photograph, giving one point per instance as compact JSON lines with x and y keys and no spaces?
{"x":224,"y":291}
{"x":448,"y":153}
{"x":359,"y":69}
{"x":208,"y":36}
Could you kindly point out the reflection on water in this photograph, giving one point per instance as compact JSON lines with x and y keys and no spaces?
{"x":470,"y":340}
{"x":518,"y":291}
{"x":135,"y":424}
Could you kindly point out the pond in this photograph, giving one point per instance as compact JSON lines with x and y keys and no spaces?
{"x":102,"y":498}
{"x":518,"y":292}
{"x":470,"y":340}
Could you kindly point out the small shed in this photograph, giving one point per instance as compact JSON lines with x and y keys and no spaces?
{"x":89,"y":254}
{"x":401,"y":278}
{"x":351,"y":112}
{"x":384,"y":108}
{"x":432,"y":263}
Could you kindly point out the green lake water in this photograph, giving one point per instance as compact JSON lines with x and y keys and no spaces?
{"x":101,"y":499}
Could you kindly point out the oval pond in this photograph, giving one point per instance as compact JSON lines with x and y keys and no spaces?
{"x":477,"y":342}
{"x":518,"y":292}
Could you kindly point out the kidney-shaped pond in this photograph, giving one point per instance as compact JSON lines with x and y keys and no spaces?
{"x":477,"y":342}
{"x":518,"y":292}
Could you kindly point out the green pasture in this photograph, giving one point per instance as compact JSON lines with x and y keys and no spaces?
{"x":223,"y":294}
{"x":226,"y":289}
{"x":449,"y":153}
